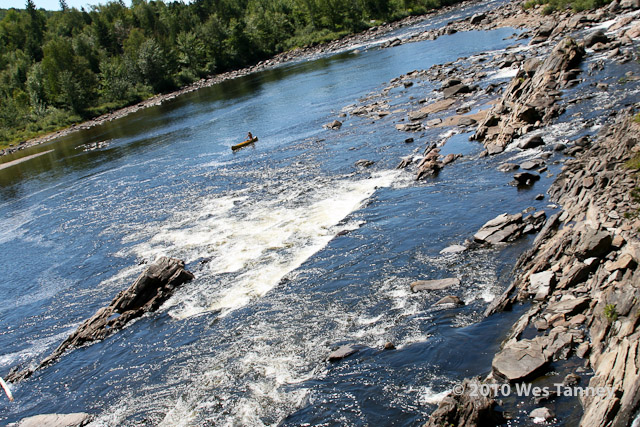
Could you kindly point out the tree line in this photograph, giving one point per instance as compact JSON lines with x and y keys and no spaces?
{"x":61,"y":67}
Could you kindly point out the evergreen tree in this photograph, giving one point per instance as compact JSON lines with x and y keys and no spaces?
{"x":35,"y":32}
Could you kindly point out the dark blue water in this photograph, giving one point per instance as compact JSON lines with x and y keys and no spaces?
{"x":275,"y":290}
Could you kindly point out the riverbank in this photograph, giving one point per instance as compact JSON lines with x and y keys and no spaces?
{"x":581,"y":277}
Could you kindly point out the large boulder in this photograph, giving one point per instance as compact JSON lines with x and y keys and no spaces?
{"x":456,"y":90}
{"x":595,"y":243}
{"x":477,"y":18}
{"x":519,"y":361}
{"x":533,"y":142}
{"x":595,"y":37}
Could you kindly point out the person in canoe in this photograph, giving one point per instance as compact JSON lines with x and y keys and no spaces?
{"x":250,"y":140}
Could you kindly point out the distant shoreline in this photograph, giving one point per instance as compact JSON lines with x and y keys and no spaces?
{"x":277,"y":60}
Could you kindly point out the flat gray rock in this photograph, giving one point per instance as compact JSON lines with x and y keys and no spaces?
{"x":569,"y":307}
{"x":342,"y":352}
{"x":594,"y":244}
{"x":520,"y":360}
{"x":498,"y":221}
{"x":418,"y":115}
{"x":78,"y":419}
{"x":531,"y":164}
{"x":453,"y":249}
{"x":434,"y":285}
{"x":510,"y":232}
{"x":545,"y":278}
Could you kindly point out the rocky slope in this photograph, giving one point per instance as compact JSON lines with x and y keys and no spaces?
{"x":581,"y":276}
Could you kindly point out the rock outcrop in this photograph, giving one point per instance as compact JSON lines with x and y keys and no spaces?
{"x":152,"y":288}
{"x":468,"y":408}
{"x":530,"y":100}
{"x":506,"y":228}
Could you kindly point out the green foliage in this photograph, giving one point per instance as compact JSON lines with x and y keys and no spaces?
{"x":58,"y":68}
{"x":611,"y":313}
{"x":551,"y":6}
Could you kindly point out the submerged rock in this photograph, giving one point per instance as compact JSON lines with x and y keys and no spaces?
{"x":453,"y":249}
{"x":508,"y":167}
{"x":364,"y":163}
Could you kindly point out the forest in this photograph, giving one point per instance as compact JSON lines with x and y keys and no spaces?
{"x":62,"y":67}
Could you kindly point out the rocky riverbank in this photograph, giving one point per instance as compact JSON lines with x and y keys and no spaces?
{"x":580,"y":278}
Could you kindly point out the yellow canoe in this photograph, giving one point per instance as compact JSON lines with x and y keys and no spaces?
{"x":244,"y":143}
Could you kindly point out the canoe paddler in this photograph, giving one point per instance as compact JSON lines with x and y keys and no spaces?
{"x":249,"y":136}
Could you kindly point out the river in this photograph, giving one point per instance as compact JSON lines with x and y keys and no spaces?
{"x":276,"y":287}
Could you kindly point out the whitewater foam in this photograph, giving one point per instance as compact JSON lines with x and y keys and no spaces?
{"x":249,"y":244}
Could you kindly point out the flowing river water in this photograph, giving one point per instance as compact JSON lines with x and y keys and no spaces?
{"x":295,"y":251}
